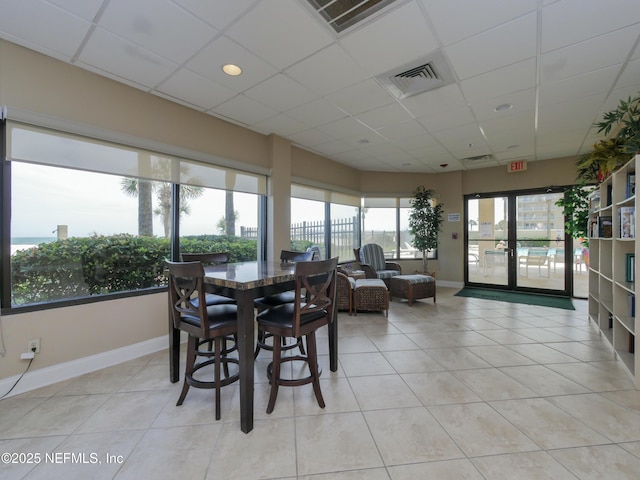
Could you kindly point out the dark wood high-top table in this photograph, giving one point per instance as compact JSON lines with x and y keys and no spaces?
{"x":246,"y":281}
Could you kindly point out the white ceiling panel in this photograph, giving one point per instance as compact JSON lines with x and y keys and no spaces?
{"x":564,"y":62}
{"x":384,"y":116}
{"x":504,"y":45}
{"x":281,"y":32}
{"x":316,"y":113}
{"x":210,"y":60}
{"x":87,"y":9}
{"x":455,"y":20}
{"x":572,"y":21}
{"x":281,"y":93}
{"x":245,"y":110}
{"x":435,"y":101}
{"x":328,"y":71}
{"x":124,"y":59}
{"x":400,"y":36}
{"x":37,"y":23}
{"x":195,"y":89}
{"x":360,"y":98}
{"x":401,"y":130}
{"x":158,"y":26}
{"x":594,"y":54}
{"x":217,"y":14}
{"x":590,"y":83}
{"x":520,"y":101}
{"x":509,"y":79}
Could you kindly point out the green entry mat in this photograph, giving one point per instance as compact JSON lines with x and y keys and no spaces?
{"x":517,"y":297}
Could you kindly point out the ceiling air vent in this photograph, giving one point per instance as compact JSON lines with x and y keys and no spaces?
{"x":479,"y":158}
{"x":418,"y":77}
{"x":342,"y":14}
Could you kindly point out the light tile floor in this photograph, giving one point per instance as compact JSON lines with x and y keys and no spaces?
{"x":461,"y":389}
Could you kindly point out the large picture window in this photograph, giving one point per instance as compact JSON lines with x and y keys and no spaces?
{"x":91,"y":218}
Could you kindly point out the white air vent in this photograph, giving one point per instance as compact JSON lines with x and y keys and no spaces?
{"x":418,"y":77}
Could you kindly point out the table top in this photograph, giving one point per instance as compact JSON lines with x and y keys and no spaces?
{"x":248,"y":275}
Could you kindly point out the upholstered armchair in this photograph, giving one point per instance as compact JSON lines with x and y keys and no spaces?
{"x":372,"y":261}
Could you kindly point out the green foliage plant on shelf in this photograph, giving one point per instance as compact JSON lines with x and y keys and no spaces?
{"x":425,"y":222}
{"x":605,"y":158}
{"x":624,"y":124}
{"x":575,"y":208}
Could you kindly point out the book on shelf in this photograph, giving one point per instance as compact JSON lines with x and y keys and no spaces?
{"x":631,"y":184}
{"x":609,"y":195}
{"x":605,"y":226}
{"x":631,"y":305}
{"x":593,"y":229}
{"x":594,"y":201}
{"x":630,"y":267}
{"x":627,"y":222}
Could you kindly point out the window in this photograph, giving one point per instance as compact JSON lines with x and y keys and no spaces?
{"x":385,"y":221}
{"x":91,"y":218}
{"x":324,"y":218}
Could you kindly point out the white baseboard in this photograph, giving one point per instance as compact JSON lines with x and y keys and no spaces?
{"x":42,"y":377}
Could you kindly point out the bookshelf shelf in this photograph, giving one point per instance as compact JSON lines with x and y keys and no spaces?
{"x":612,"y":269}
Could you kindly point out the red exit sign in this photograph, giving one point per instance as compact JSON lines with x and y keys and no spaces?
{"x":517,"y":166}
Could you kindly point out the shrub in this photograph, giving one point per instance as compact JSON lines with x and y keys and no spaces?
{"x":81,"y":267}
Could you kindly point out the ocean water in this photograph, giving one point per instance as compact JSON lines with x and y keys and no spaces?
{"x":22,"y":243}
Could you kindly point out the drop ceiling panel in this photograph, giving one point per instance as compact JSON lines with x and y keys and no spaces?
{"x":456,"y":117}
{"x":281,"y":32}
{"x":504,"y":45}
{"x":210,"y":60}
{"x":418,"y":143}
{"x":455,"y":20}
{"x":86,"y":9}
{"x":217,"y":14}
{"x":327,"y":71}
{"x":400,"y":36}
{"x":520,"y":101}
{"x":37,"y":24}
{"x":281,"y":93}
{"x":590,"y":83}
{"x":509,"y":79}
{"x":571,"y":21}
{"x":333,"y":147}
{"x":463,"y":142}
{"x":245,"y":110}
{"x":157,"y":26}
{"x":195,"y":89}
{"x":630,"y":75}
{"x":361,"y":97}
{"x":124,"y":59}
{"x":569,"y":115}
{"x":384,"y":116}
{"x":318,"y":112}
{"x":596,"y":53}
{"x":345,"y":128}
{"x":398,"y":131}
{"x":435,"y":101}
{"x":310,"y":137}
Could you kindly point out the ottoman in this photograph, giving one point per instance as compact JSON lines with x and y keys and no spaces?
{"x":370,"y":294}
{"x":413,"y":287}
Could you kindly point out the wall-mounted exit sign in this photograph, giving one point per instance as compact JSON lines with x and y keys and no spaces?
{"x":517,"y":166}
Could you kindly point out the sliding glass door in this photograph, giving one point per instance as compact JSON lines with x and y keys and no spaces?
{"x":516,"y":241}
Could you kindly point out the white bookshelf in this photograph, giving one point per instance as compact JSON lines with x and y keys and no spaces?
{"x":611,"y":261}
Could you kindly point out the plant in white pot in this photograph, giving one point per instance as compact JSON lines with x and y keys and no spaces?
{"x":425,"y":222}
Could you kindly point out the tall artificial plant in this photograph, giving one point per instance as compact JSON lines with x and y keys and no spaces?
{"x":425,"y":221}
{"x":575,"y":208}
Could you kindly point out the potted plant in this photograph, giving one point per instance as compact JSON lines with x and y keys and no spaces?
{"x":605,"y":158}
{"x":624,"y":123}
{"x":425,"y":222}
{"x":575,"y":208}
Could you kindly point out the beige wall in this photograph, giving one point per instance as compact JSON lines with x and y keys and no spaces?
{"x":35,"y":83}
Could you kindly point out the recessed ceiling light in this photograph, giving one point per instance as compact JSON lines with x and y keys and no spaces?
{"x":503,"y":107}
{"x":231,"y":69}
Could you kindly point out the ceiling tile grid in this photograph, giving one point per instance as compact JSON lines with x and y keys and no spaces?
{"x":562,"y":62}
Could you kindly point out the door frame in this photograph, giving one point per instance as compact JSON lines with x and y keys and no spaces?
{"x":512,"y":260}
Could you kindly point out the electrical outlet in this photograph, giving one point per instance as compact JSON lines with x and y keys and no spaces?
{"x":34,"y":345}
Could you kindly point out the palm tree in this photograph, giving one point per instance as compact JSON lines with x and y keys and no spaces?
{"x":141,"y":188}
